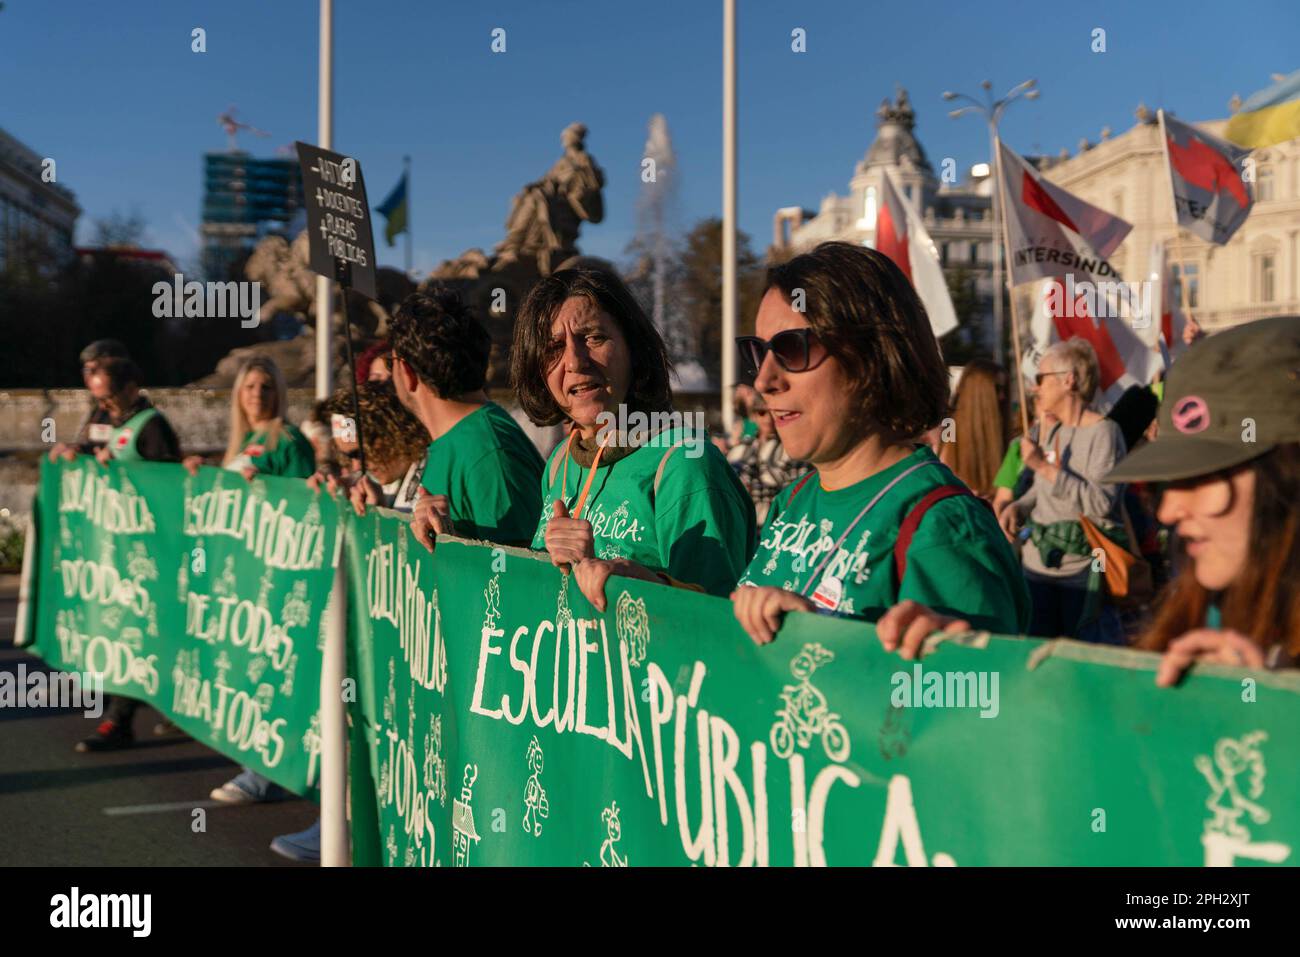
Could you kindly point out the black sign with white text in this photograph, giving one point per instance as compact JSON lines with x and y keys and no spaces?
{"x":338,"y":218}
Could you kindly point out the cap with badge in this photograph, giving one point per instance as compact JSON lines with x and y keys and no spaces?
{"x":1231,"y":398}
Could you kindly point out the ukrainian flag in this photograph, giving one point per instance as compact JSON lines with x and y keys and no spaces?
{"x":393,"y":209}
{"x":1269,"y":116}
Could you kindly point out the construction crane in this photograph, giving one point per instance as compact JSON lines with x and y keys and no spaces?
{"x":232,"y":127}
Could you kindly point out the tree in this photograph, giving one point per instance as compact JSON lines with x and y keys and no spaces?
{"x":700,"y":291}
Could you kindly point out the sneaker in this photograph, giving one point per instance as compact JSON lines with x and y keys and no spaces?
{"x":165,"y":728}
{"x":109,"y":736}
{"x":303,"y":846}
{"x":248,"y":787}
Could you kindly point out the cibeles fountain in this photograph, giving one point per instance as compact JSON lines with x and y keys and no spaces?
{"x":541,"y":236}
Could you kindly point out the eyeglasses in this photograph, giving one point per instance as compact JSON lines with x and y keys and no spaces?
{"x":1038,"y":379}
{"x":795,"y":350}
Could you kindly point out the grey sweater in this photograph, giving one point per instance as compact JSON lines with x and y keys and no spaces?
{"x":1085,"y":455}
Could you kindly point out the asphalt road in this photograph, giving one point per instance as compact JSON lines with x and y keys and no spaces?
{"x":129,"y":807}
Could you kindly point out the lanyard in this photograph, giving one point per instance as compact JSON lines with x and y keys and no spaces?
{"x":564,"y":479}
{"x":861,"y":515}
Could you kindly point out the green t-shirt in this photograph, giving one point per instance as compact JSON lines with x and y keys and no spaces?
{"x":1009,"y":471}
{"x":959,"y":562}
{"x":489,"y":470}
{"x":292,"y":456}
{"x":698,"y":526}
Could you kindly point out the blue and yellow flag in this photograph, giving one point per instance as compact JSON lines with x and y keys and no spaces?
{"x":1269,"y":116}
{"x":393,"y":209}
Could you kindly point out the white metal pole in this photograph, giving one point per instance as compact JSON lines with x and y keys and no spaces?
{"x":728,"y":210}
{"x":333,"y":727}
{"x":21,"y":621}
{"x":996,"y":171}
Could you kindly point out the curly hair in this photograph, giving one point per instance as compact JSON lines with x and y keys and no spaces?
{"x":439,"y":337}
{"x":865,"y":311}
{"x":389,"y":432}
{"x":530,"y":358}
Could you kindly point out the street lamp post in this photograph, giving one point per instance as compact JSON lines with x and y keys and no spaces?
{"x":992,"y":111}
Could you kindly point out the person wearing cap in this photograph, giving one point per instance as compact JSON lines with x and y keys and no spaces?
{"x":136,"y":432}
{"x":1069,"y":466}
{"x":95,"y":429}
{"x":1228,"y":453}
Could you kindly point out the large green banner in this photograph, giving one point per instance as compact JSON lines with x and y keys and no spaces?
{"x":507,"y":722}
{"x":204,"y":597}
{"x":497,"y":718}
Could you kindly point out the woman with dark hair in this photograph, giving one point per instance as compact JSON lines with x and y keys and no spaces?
{"x":633,"y":491}
{"x":979,"y":426}
{"x":848,"y":365}
{"x":396,"y":445}
{"x":1229,"y":451}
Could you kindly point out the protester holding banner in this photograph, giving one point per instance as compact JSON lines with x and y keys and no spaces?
{"x":636,"y":490}
{"x":481,"y":472}
{"x":261,"y":441}
{"x":853,"y":379}
{"x":396,"y":444}
{"x":137,"y":432}
{"x":979,"y":416}
{"x":1229,"y":449}
{"x":1069,"y":468}
{"x":94,"y":430}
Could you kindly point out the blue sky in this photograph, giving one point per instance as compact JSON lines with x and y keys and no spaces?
{"x":114,"y":93}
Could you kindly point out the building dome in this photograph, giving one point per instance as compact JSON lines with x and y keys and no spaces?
{"x":894,"y":144}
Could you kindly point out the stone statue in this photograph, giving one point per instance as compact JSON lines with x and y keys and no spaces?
{"x":289,"y":285}
{"x":546,"y":215}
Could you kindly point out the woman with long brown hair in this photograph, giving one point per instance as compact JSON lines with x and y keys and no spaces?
{"x":1229,"y":451}
{"x":979,"y":426}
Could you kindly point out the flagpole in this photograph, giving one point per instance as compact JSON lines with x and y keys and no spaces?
{"x":1015,"y":312}
{"x":1178,"y":229}
{"x":406,"y":161}
{"x":728,"y":212}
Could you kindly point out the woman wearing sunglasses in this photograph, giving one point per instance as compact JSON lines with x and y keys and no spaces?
{"x":847,"y":363}
{"x":1069,"y":461}
{"x":662,"y":507}
{"x":1229,"y":449}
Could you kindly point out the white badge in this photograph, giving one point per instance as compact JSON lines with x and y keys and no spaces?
{"x":828,"y":593}
{"x":99,"y":432}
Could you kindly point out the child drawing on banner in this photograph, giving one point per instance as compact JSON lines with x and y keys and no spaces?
{"x":1226,"y":839}
{"x":536,"y":806}
{"x":435,"y":769}
{"x":633,"y":627}
{"x":492,"y":595}
{"x":806,"y":713}
{"x":1226,"y":802}
{"x":462,"y":820}
{"x":609,"y":856}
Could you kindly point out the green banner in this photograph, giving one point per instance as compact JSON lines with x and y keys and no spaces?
{"x":505,"y":722}
{"x":204,"y":597}
{"x":498,"y":719}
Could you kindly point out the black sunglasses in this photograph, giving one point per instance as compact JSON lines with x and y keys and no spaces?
{"x":796,"y":350}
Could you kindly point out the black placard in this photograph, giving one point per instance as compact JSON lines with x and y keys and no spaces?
{"x":338,"y":218}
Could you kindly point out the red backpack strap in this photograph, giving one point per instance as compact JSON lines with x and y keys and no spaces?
{"x":912,"y":522}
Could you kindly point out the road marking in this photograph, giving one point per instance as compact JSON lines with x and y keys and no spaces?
{"x":159,"y":808}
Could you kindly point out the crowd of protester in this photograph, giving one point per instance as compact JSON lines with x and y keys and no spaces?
{"x":827,"y":496}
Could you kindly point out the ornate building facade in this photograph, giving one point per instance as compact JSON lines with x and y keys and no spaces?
{"x":958,"y":215}
{"x":1254,"y":275}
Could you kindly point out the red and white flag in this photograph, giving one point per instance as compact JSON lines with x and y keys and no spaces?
{"x":1167,"y":322}
{"x":1051,"y":232}
{"x":1211,"y":196}
{"x":1124,"y":356}
{"x":902,"y":237}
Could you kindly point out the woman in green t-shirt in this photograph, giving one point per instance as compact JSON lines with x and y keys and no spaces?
{"x":636,"y":489}
{"x":848,"y":364}
{"x":261,"y":441}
